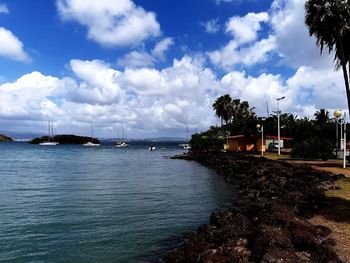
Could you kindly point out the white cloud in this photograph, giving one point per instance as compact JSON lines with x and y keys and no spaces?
{"x":111,"y":22}
{"x":27,"y":98}
{"x":256,"y":90}
{"x":321,"y":87}
{"x":11,"y":47}
{"x":136,"y":59}
{"x":3,"y":9}
{"x":148,"y":101}
{"x":292,"y":38}
{"x":145,"y":100}
{"x":303,"y":91}
{"x":244,"y":48}
{"x":257,"y":52}
{"x":231,"y":55}
{"x":162,"y":47}
{"x":211,"y":26}
{"x":245,"y":29}
{"x":225,"y":1}
{"x":96,"y":82}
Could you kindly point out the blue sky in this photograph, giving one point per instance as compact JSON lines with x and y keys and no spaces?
{"x":155,"y":67}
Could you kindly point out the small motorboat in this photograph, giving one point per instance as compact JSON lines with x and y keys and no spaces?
{"x":152,"y":148}
{"x":185,"y":146}
{"x":121,"y":145}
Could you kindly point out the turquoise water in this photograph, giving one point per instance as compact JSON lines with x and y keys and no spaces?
{"x":75,"y":204}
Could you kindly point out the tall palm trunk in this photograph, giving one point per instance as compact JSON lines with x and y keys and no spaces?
{"x":346,"y":80}
{"x":345,"y":72}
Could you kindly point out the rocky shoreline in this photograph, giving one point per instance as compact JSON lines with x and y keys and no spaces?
{"x":269,"y":222}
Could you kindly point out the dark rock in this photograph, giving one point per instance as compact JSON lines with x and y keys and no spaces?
{"x":268,"y":222}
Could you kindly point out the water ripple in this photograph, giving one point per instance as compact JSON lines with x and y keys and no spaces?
{"x":72,"y":204}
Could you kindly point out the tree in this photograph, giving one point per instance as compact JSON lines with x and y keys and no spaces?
{"x":329,"y":22}
{"x":222,"y":107}
{"x":240,"y":110}
{"x":322,"y":116}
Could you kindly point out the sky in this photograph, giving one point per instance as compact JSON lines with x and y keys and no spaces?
{"x":154,"y":68}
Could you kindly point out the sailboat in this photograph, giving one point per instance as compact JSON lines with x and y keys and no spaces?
{"x":121,"y":143}
{"x":91,"y":144}
{"x":50,"y":141}
{"x":186,"y":146}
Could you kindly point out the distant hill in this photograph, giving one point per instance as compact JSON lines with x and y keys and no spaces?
{"x":65,"y":139}
{"x":21,"y":135}
{"x":4,"y":138}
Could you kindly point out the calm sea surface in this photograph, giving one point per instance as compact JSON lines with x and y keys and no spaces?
{"x":74,"y":204}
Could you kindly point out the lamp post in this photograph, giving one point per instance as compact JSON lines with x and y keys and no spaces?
{"x":341,"y":119}
{"x":336,"y":136}
{"x":278,"y":124}
{"x":260,"y":128}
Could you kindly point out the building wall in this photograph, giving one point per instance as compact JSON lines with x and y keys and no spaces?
{"x":233,"y":145}
{"x":263,"y":144}
{"x":239,"y":144}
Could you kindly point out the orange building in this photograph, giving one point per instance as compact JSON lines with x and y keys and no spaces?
{"x":241,"y":143}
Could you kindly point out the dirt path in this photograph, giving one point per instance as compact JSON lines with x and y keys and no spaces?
{"x":334,"y":166}
{"x":336,"y":215}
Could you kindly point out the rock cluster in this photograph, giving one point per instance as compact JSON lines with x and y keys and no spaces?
{"x":269,"y":223}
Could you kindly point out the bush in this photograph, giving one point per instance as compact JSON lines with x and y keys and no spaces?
{"x":315,"y":148}
{"x":204,"y":141}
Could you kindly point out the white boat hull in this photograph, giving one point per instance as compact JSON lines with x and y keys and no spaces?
{"x":90,"y":144}
{"x":48,"y":143}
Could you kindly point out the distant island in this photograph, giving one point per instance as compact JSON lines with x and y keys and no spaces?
{"x":65,"y":139}
{"x":4,"y":138}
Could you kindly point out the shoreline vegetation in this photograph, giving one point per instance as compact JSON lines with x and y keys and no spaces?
{"x":4,"y":138}
{"x":270,"y":222}
{"x":65,"y":139}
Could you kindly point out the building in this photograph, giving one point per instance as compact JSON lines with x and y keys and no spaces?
{"x":241,"y":143}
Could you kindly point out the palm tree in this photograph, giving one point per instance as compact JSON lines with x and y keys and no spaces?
{"x":222,"y":106}
{"x":322,"y":116}
{"x":240,"y":110}
{"x":329,"y":22}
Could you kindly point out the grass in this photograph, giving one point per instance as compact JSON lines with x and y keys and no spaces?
{"x":336,"y":216}
{"x":343,"y":192}
{"x":274,"y":156}
{"x":338,"y":208}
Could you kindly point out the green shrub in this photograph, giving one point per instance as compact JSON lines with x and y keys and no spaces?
{"x":313,"y":148}
{"x":201,"y":141}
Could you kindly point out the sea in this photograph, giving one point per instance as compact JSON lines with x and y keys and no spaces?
{"x":69,"y":203}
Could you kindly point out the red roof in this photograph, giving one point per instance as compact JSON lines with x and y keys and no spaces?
{"x":267,"y":137}
{"x":235,"y":136}
{"x":276,"y":137}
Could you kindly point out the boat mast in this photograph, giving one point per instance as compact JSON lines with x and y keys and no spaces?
{"x":49,"y":131}
{"x":92,"y":132}
{"x":187,"y":133}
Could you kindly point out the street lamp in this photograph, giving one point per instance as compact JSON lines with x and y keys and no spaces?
{"x":278,"y":123}
{"x":260,"y":128}
{"x":341,"y":119}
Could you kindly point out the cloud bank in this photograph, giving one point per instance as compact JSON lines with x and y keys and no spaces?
{"x":150,"y":101}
